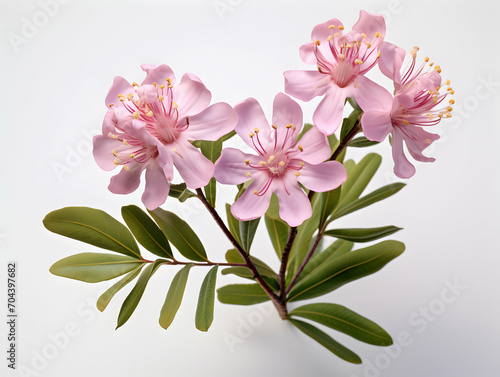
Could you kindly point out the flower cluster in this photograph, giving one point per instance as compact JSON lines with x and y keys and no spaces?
{"x":152,"y":126}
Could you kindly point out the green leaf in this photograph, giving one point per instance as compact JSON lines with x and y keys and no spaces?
{"x":362,"y":234}
{"x":180,"y":234}
{"x":349,"y":122}
{"x":242,"y":294}
{"x":233,"y":256}
{"x":327,"y":202}
{"x":353,"y":103}
{"x":133,"y":298}
{"x":278,"y":233}
{"x":228,"y":136}
{"x":234,"y":225}
{"x":375,"y":196}
{"x":335,"y":250}
{"x":326,"y":341}
{"x":146,"y":231}
{"x":180,"y":192}
{"x":245,"y":273}
{"x":210,"y":192}
{"x":92,"y":226}
{"x":206,"y":299}
{"x":342,"y":319}
{"x":174,"y":297}
{"x":274,"y":208}
{"x":247,"y":233}
{"x":349,"y":267}
{"x":211,"y":150}
{"x":94,"y":267}
{"x":106,"y":297}
{"x":361,"y":142}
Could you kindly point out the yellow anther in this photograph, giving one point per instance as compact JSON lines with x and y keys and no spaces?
{"x":281,"y":163}
{"x":331,"y":26}
{"x":130,"y":96}
{"x":302,"y":164}
{"x":122,"y":99}
{"x":169,"y":81}
{"x":255,"y":192}
{"x":368,"y":44}
{"x":249,"y":174}
{"x":428,"y":141}
{"x":111,"y":104}
{"x":426,"y":59}
{"x":126,"y":168}
{"x":256,"y":130}
{"x":116,"y":161}
{"x":174,"y":104}
{"x":114,"y":153}
{"x":121,"y":96}
{"x":341,"y":27}
{"x":154,"y":84}
{"x":162,"y":86}
{"x":378,"y":35}
{"x":449,"y":89}
{"x":405,"y":122}
{"x":449,"y":108}
{"x":132,"y":155}
{"x":438,"y":69}
{"x":135,"y":84}
{"x":317,"y":42}
{"x":452,"y":92}
{"x":437,"y":89}
{"x":270,"y":159}
{"x":150,"y":113}
{"x":177,"y":153}
{"x":300,"y":147}
{"x":125,"y":142}
{"x":262,"y":163}
{"x":290,"y":125}
{"x":329,"y":37}
{"x":431,"y":64}
{"x":416,"y":48}
{"x":358,"y":61}
{"x":161,"y":98}
{"x":297,"y":174}
{"x":135,"y":114}
{"x":336,"y":34}
{"x":413,"y":53}
{"x":452,"y":101}
{"x":448,"y":82}
{"x":247,"y":162}
{"x":378,"y":55}
{"x":341,"y":56}
{"x":274,"y":126}
{"x":363,"y":35}
{"x":251,"y":135}
{"x":113,"y":135}
{"x":434,"y":99}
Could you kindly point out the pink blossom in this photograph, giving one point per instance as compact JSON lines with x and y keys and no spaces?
{"x":281,"y":162}
{"x":417,"y":103}
{"x":149,"y":127}
{"x":342,"y":61}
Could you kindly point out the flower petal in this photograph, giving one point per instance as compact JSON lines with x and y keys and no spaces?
{"x":376,"y":125}
{"x":157,"y":187}
{"x":286,"y":111}
{"x":157,"y":73}
{"x":323,"y":177}
{"x":370,"y":23}
{"x":194,"y":168}
{"x":372,"y":96}
{"x":305,"y":85}
{"x":119,"y":86}
{"x":251,"y":116}
{"x":391,"y":60}
{"x":328,"y":115}
{"x":294,"y":205}
{"x":250,"y":206}
{"x":191,"y":95}
{"x":322,"y":31}
{"x":402,"y":167}
{"x":103,"y":155}
{"x":126,"y":181}
{"x":231,"y":169}
{"x":315,"y":147}
{"x":417,"y":140}
{"x":212,"y":123}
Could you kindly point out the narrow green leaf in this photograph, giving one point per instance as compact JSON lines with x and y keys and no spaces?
{"x":180,"y":234}
{"x":328,"y":201}
{"x":133,"y":298}
{"x":211,"y":150}
{"x":349,"y":267}
{"x":106,"y":297}
{"x":335,"y":250}
{"x":273,"y":211}
{"x":228,"y":136}
{"x":374,"y":197}
{"x":349,"y":122}
{"x":245,"y":273}
{"x":94,"y":267}
{"x":247,"y":233}
{"x":174,"y":297}
{"x":361,"y":142}
{"x":326,"y":341}
{"x":210,"y":192}
{"x":353,"y":103}
{"x":234,"y":225}
{"x":232,"y":256}
{"x":362,"y":234}
{"x":146,"y":231}
{"x":180,"y":192}
{"x":92,"y":226}
{"x":206,"y":299}
{"x":278,"y":232}
{"x":342,"y":319}
{"x":242,"y":294}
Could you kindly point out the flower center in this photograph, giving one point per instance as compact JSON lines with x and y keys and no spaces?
{"x":132,"y":149}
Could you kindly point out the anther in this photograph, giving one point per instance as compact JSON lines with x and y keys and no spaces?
{"x":281,"y":163}
{"x":405,"y":122}
{"x":126,"y":168}
{"x":331,"y":26}
{"x":135,"y":84}
{"x":116,"y":161}
{"x":161,"y":98}
{"x":341,"y":27}
{"x":150,"y":113}
{"x":162,"y":86}
{"x":249,"y":174}
{"x":125,"y":142}
{"x":135,"y":114}
{"x":428,"y":141}
{"x":111,"y":104}
{"x":452,"y":101}
{"x":317,"y":42}
{"x":130,"y":96}
{"x":274,"y":126}
{"x":341,"y":56}
{"x":177,"y":153}
{"x":300,"y":148}
{"x":262,"y":163}
{"x":431,"y":64}
{"x":256,"y":130}
{"x":251,"y":135}
{"x":363,"y":35}
{"x":154,"y":84}
{"x":114,"y":153}
{"x":247,"y":162}
{"x":132,"y":155}
{"x":329,"y":37}
{"x":448,"y":82}
{"x":379,"y":53}
{"x":378,"y":35}
{"x":358,"y":61}
{"x":255,"y":192}
{"x":426,"y":59}
{"x":174,"y":104}
{"x":271,"y":159}
{"x":297,"y":174}
{"x":368,"y":45}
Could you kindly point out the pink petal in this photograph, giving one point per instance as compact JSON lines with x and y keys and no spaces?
{"x":157,"y":73}
{"x":370,"y":23}
{"x":119,"y":86}
{"x":231,"y":169}
{"x":315,"y":147}
{"x":286,"y":111}
{"x":251,"y":116}
{"x":109,"y":122}
{"x":157,"y":187}
{"x":328,"y":115}
{"x":372,"y":96}
{"x":194,"y":168}
{"x":305,"y":85}
{"x":191,"y":95}
{"x":402,"y":167}
{"x":307,"y":54}
{"x":250,"y":206}
{"x":391,"y":60}
{"x":126,"y":181}
{"x":212,"y":123}
{"x":323,"y":177}
{"x":294,"y":204}
{"x":376,"y":125}
{"x":103,"y":155}
{"x":321,"y":31}
{"x":417,"y":140}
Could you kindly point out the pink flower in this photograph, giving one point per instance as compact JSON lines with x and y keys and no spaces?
{"x":150,"y":126}
{"x":280,"y":164}
{"x":342,"y":60}
{"x":417,"y":103}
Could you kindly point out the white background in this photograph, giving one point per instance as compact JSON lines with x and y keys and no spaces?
{"x":52,"y":98}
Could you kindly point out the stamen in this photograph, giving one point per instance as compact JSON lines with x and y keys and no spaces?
{"x":114,"y":153}
{"x":341,"y":27}
{"x":274,"y":127}
{"x":329,"y":37}
{"x":357,"y":61}
{"x":135,"y":114}
{"x":331,"y":26}
{"x":262,"y":163}
{"x":297,"y":174}
{"x":300,"y":147}
{"x":161,"y":98}
{"x":162,"y":86}
{"x":111,"y":104}
{"x":378,"y":35}
{"x":125,"y":142}
{"x":247,"y":162}
{"x":256,"y":130}
{"x":135,"y":84}
{"x":177,"y":153}
{"x":126,"y":168}
{"x":130,"y":96}
{"x":281,"y":163}
{"x":249,"y":174}
{"x":251,"y":135}
{"x":150,"y":113}
{"x":317,"y":42}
